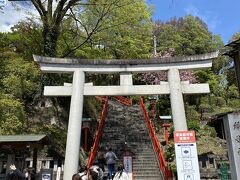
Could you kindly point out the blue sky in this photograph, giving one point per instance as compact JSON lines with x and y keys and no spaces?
{"x":221,"y":16}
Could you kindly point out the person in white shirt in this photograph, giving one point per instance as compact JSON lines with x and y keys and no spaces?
{"x":83,"y":173}
{"x":121,"y":174}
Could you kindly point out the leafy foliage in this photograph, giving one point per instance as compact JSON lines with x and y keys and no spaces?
{"x":235,"y":36}
{"x":21,"y":79}
{"x":103,"y":29}
{"x":26,"y":37}
{"x":113,"y":29}
{"x":184,"y":36}
{"x":12,"y":116}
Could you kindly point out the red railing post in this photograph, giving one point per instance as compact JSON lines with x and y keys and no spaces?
{"x":163,"y":164}
{"x":85,"y":139}
{"x":166,"y":126}
{"x":98,"y":133}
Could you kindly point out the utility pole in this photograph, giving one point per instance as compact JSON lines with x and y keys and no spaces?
{"x":154,"y":46}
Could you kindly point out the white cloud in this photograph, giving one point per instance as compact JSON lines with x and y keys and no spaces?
{"x":208,"y":17}
{"x":14,"y":12}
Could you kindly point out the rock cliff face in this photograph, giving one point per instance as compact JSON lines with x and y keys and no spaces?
{"x":125,"y":130}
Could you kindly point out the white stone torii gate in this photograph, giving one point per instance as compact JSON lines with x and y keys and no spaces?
{"x":78,"y":89}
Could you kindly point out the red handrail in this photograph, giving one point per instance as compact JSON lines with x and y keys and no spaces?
{"x":123,"y":100}
{"x":98,"y":133}
{"x":100,"y":98}
{"x":160,"y":154}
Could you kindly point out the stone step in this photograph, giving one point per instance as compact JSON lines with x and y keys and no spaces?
{"x":140,"y":145}
{"x":141,"y":159}
{"x":136,"y":176}
{"x":142,"y":165}
{"x":146,"y":174}
{"x":148,"y":178}
{"x":146,"y":153}
{"x":143,"y":153}
{"x":127,"y":124}
{"x":144,"y":168}
{"x":148,"y":164}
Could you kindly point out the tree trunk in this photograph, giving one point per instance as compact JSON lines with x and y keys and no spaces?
{"x":50,"y":35}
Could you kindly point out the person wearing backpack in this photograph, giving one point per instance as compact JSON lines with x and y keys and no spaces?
{"x":111,"y":158}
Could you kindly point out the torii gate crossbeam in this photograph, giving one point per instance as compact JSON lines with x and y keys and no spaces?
{"x":78,"y":89}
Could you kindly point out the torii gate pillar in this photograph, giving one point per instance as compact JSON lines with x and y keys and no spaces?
{"x":74,"y":125}
{"x":176,"y":98}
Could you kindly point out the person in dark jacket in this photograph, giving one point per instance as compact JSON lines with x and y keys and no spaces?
{"x":14,"y":174}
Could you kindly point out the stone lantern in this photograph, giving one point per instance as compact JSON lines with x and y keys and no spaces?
{"x":166,"y":126}
{"x":86,"y":122}
{"x":153,"y":103}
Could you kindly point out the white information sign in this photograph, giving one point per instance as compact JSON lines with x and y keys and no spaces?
{"x":128,"y":166}
{"x":186,"y":155}
{"x":232,"y":132}
{"x":3,"y":3}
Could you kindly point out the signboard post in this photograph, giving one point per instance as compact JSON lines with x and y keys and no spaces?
{"x":232,"y":131}
{"x":186,"y":155}
{"x":128,"y":166}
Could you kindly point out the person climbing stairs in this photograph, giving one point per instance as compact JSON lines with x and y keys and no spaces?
{"x":125,"y":130}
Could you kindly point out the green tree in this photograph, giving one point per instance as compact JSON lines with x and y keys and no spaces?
{"x":52,"y":17}
{"x":235,"y":36}
{"x":122,"y":31}
{"x":186,"y":36}
{"x":168,"y":37}
{"x":27,"y":39}
{"x":21,"y":79}
{"x":12,"y":116}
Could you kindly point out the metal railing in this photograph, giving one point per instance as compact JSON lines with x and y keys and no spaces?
{"x":98,"y":133}
{"x":123,"y":100}
{"x":100,"y":98}
{"x":157,"y":148}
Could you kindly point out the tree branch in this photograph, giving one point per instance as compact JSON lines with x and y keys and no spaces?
{"x":49,"y":10}
{"x":41,"y":10}
{"x":107,"y":8}
{"x":58,"y":12}
{"x":78,"y":21}
{"x":89,"y":34}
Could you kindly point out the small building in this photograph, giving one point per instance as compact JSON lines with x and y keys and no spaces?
{"x":234,"y":52}
{"x":22,"y":150}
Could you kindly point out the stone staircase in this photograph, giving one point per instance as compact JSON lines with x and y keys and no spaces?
{"x":125,"y":128}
